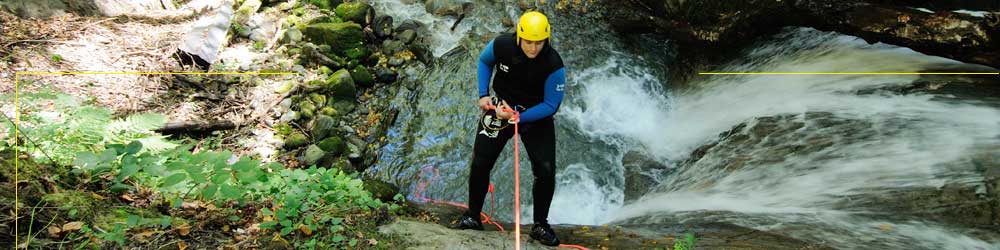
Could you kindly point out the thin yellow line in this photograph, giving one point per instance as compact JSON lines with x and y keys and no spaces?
{"x":849,"y":73}
{"x":158,"y":73}
{"x":17,"y":121}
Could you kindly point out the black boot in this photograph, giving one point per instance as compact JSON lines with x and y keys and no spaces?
{"x":467,"y":222}
{"x":544,"y":234}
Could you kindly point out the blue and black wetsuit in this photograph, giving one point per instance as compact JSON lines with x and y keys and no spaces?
{"x":535,"y":86}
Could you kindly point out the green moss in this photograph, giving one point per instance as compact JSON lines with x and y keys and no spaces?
{"x":339,"y":36}
{"x":341,"y":84}
{"x":333,"y":145}
{"x":77,"y":204}
{"x":362,"y":77}
{"x":353,"y":11}
{"x":295,"y":140}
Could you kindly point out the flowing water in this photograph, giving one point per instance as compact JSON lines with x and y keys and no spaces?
{"x":809,"y":156}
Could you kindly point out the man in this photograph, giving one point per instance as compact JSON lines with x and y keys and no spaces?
{"x":529,"y":79}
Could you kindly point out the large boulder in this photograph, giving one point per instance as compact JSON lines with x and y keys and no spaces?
{"x":380,"y":189}
{"x":363,"y":77}
{"x":325,"y":4}
{"x":341,"y":85}
{"x":323,"y":127}
{"x":339,"y":36}
{"x":358,"y":12}
{"x":448,"y":7}
{"x":726,"y":25}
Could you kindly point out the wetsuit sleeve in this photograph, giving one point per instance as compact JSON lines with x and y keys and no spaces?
{"x":554,"y":86}
{"x":485,"y":70}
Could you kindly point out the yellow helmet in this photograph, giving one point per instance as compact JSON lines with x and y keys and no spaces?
{"x":533,"y":26}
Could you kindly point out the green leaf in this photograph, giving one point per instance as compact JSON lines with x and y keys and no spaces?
{"x":209,"y":192}
{"x":286,"y":230}
{"x":133,"y":220}
{"x":85,"y":160}
{"x":220,"y":177}
{"x":129,"y":167}
{"x":337,"y":238}
{"x":229,"y":192}
{"x":73,"y":212}
{"x":266,"y":212}
{"x":352,"y":242}
{"x":173,"y":180}
{"x":118,"y":188}
{"x":177,"y":203}
{"x":268,"y":224}
{"x":164,"y":221}
{"x":156,"y":143}
{"x":197,"y":176}
{"x":286,"y":223}
{"x":117,"y":149}
{"x":234,"y":218}
{"x":133,"y":148}
{"x":336,"y":220}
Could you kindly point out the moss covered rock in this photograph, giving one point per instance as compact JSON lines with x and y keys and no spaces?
{"x":339,"y":36}
{"x":312,"y":155}
{"x":325,"y":4}
{"x":329,"y":111}
{"x":341,"y":85}
{"x":362,"y":77}
{"x":333,"y":145}
{"x":354,"y":11}
{"x":357,"y":53}
{"x":380,"y":189}
{"x":295,"y":140}
{"x":318,"y":99}
{"x":344,"y":106}
{"x":324,"y":126}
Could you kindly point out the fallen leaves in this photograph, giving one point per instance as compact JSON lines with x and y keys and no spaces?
{"x":183,"y":229}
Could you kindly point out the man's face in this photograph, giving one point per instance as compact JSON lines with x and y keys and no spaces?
{"x":531,"y":48}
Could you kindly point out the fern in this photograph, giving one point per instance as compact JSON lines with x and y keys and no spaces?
{"x":59,"y":126}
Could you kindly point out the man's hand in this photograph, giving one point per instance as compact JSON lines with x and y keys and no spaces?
{"x":502,"y":111}
{"x":484,"y":103}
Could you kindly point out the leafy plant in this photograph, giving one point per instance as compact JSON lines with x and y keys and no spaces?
{"x":686,"y":244}
{"x":59,"y":126}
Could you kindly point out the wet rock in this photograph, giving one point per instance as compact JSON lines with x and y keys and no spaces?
{"x":326,"y":4}
{"x":291,"y":36}
{"x":410,"y":24}
{"x":639,"y":170}
{"x":391,"y":47}
{"x":507,"y":22}
{"x":312,"y":155}
{"x":362,"y":77}
{"x":723,"y":25}
{"x":344,"y":106}
{"x":341,"y":85}
{"x":447,"y":7}
{"x":380,"y":189}
{"x":295,"y":140}
{"x":323,"y":127}
{"x":358,"y":12}
{"x":385,"y":75}
{"x":395,"y":61}
{"x":407,"y":36}
{"x":333,"y":145}
{"x":382,"y":27}
{"x":339,"y":36}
